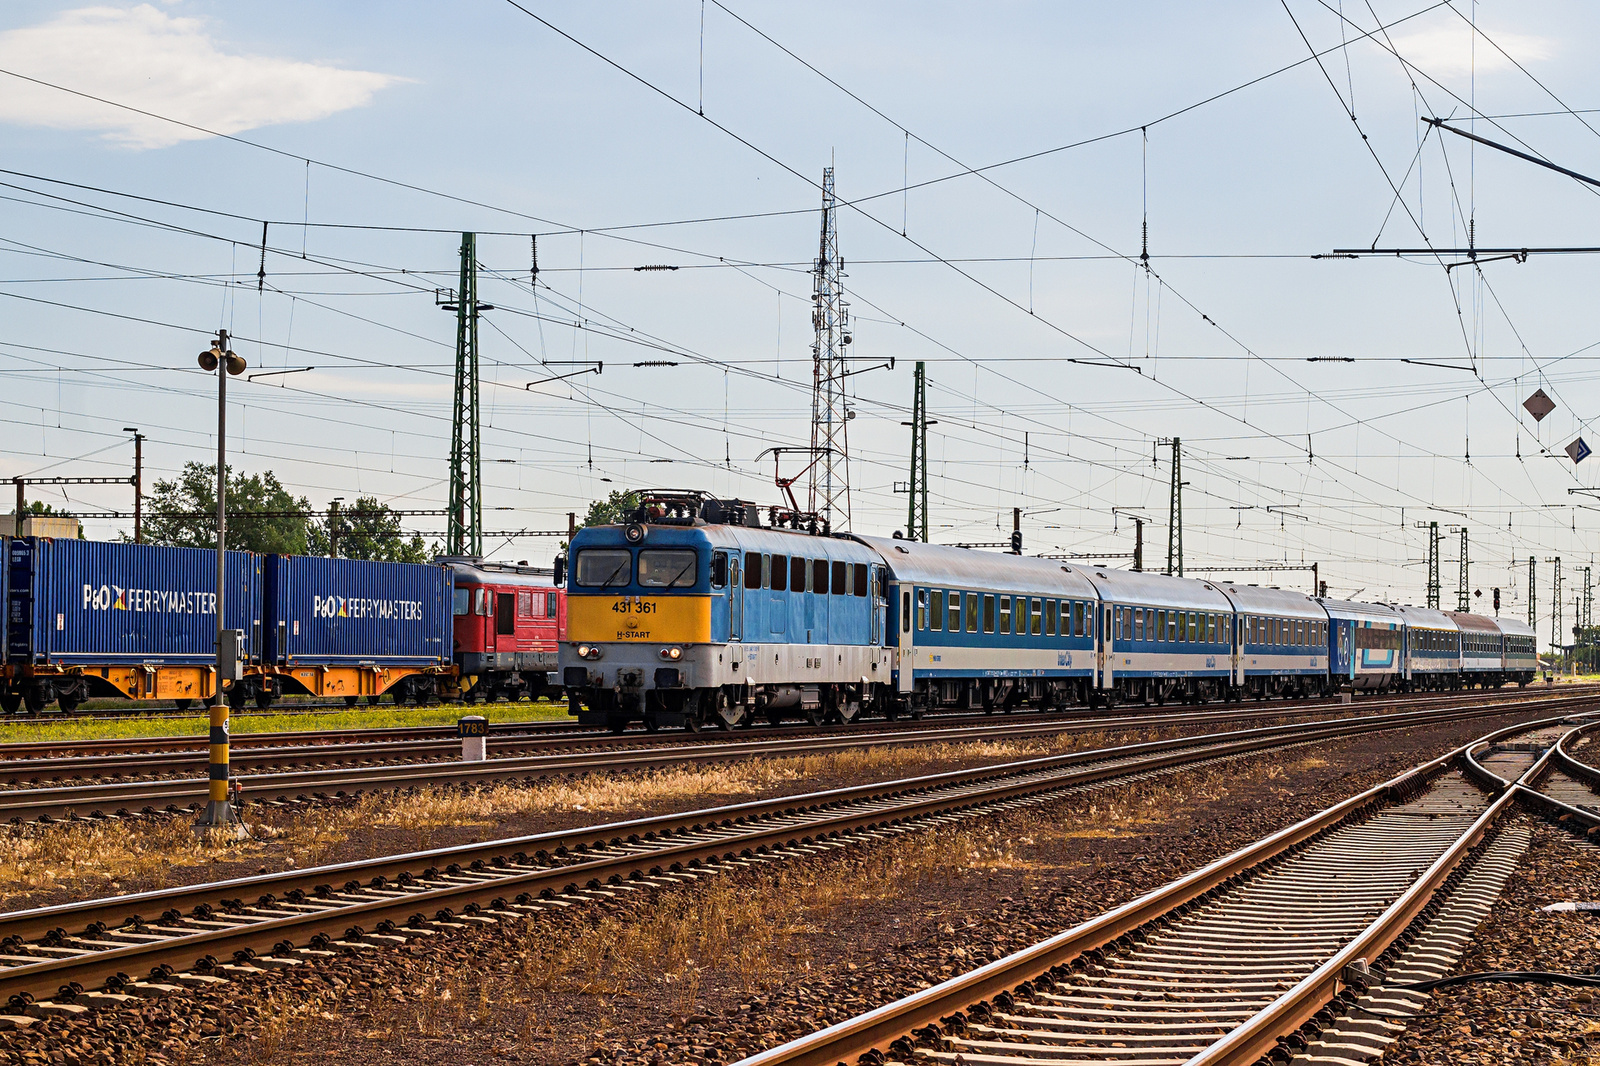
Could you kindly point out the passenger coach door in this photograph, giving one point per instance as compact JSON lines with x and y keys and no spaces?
{"x":735,"y":598}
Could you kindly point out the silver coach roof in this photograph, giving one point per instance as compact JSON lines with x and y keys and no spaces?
{"x":786,"y":542}
{"x":1282,"y":603}
{"x":1427,"y":618}
{"x":942,"y":566}
{"x":1515,"y":628}
{"x":1157,"y":590}
{"x":1354,"y":609}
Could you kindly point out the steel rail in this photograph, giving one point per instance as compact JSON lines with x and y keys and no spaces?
{"x":673,"y":842}
{"x":29,"y":754}
{"x":18,"y":805}
{"x":876,"y":1030}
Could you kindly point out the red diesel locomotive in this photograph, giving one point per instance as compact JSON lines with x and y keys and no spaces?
{"x":509,"y":621}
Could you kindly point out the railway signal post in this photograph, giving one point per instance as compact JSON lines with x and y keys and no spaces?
{"x":219,"y":813}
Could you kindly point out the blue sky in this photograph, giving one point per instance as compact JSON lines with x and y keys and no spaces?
{"x":513,"y":129}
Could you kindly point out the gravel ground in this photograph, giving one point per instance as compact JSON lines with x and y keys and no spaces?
{"x":42,"y":865}
{"x":743,"y":961}
{"x":1522,"y":1023}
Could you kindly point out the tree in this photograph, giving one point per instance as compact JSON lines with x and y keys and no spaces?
{"x":182,"y":512}
{"x":367,"y":530}
{"x":611,"y":511}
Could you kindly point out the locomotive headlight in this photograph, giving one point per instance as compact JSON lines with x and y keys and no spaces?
{"x":588,"y":651}
{"x":672,"y":655}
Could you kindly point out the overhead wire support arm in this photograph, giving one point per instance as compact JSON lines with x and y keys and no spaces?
{"x":1439,"y":123}
{"x":597,"y":368}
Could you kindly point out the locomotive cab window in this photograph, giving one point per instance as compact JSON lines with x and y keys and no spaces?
{"x":599,"y":568}
{"x":524,"y":605}
{"x":797,"y":574}
{"x":462,"y":604}
{"x":719,"y":570}
{"x":841,"y":585}
{"x":858,"y":587}
{"x":752,"y":570}
{"x":819,"y":577}
{"x":549,"y":604}
{"x":669,"y":568}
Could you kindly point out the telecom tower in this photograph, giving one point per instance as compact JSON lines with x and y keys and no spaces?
{"x":917,"y":515}
{"x":465,"y":535}
{"x":829,"y":494}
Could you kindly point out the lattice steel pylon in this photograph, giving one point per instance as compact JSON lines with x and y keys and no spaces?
{"x":465,"y":530}
{"x":1533,"y":595}
{"x":917,"y":515}
{"x":1175,"y":513}
{"x":1463,"y":593}
{"x":828,"y":496}
{"x":1555,"y":605}
{"x":1433,"y":563}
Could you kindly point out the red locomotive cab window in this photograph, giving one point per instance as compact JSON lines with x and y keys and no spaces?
{"x":549,"y":604}
{"x":524,"y":605}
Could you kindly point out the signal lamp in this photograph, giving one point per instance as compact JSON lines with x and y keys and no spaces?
{"x":672,"y":654}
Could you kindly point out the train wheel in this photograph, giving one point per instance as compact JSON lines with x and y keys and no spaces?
{"x":617,"y":722}
{"x":351,"y":701}
{"x":372,"y":701}
{"x":774,"y":718}
{"x":264,"y":698}
{"x":10,"y":701}
{"x":37,"y":697}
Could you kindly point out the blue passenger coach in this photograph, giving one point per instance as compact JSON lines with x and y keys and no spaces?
{"x":1283,"y":641}
{"x":1433,"y":649}
{"x":1169,"y":638}
{"x":976,"y":629}
{"x":1366,"y":645}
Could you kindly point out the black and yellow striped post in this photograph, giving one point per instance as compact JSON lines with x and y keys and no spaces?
{"x":219,"y":813}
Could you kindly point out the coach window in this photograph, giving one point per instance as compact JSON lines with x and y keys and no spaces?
{"x":988,"y":614}
{"x":780,"y":573}
{"x":1038,"y":618}
{"x":797,"y":574}
{"x":841,"y":583}
{"x":972,"y":612}
{"x":1196,"y":622}
{"x":859,"y":585}
{"x":819,"y":577}
{"x":1049,"y":618}
{"x":938,"y":610}
{"x":719,"y":570}
{"x":905,"y":611}
{"x":1005,"y":615}
{"x":752,"y":570}
{"x":922,"y":608}
{"x":955,"y":611}
{"x":1138,"y":623}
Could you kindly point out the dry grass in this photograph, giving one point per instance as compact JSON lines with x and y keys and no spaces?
{"x":99,"y":858}
{"x":289,"y":720}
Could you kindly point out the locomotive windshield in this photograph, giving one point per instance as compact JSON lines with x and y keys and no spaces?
{"x":463,"y":602}
{"x":604,"y":567}
{"x":667,"y":568}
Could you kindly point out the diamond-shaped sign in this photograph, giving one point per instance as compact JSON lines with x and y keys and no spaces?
{"x":1578,"y":450}
{"x":1539,"y":405}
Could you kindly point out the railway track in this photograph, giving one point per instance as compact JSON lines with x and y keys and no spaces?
{"x":1301,"y":945}
{"x":175,"y":795}
{"x":36,"y":762}
{"x":196,"y":934}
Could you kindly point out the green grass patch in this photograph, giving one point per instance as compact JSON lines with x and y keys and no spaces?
{"x":290,"y":720}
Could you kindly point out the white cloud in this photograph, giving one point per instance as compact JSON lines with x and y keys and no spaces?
{"x":145,"y":58}
{"x":1447,"y":50}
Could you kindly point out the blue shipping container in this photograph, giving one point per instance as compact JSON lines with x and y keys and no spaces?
{"x":90,"y":602}
{"x":347,"y":612}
